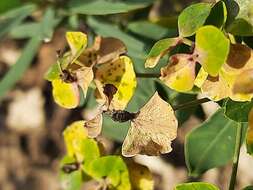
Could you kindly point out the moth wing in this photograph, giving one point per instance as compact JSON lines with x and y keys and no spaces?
{"x":152,"y":131}
{"x":94,"y":126}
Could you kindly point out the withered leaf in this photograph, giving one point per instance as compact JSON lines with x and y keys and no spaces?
{"x":94,"y":126}
{"x":153,"y":129}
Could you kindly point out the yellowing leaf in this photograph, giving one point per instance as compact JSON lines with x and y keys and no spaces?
{"x":121,"y":74}
{"x":159,"y":49}
{"x":212,"y":48}
{"x":234,"y":79}
{"x":77,"y":42}
{"x":180,"y":73}
{"x":216,"y":88}
{"x":201,"y":77}
{"x":74,"y":135}
{"x":65,"y":94}
{"x":249,"y":138}
{"x":140,"y":176}
{"x":244,"y":83}
{"x":152,"y":131}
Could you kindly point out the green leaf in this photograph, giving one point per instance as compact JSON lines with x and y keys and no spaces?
{"x":196,"y":186}
{"x":6,"y":5}
{"x":211,"y":144}
{"x":48,"y":24}
{"x":102,"y":7}
{"x":152,"y":31}
{"x":238,"y":111}
{"x":17,"y":70}
{"x":212,"y":48}
{"x":240,"y":17}
{"x":248,"y":188}
{"x":30,"y":29}
{"x":111,"y":167}
{"x":73,"y":180}
{"x":52,"y":73}
{"x":193,"y":17}
{"x":90,"y":149}
{"x":14,"y":17}
{"x":218,"y":15}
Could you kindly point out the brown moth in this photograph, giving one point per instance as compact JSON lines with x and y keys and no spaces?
{"x":152,"y":131}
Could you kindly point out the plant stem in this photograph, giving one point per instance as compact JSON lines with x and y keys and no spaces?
{"x":236,"y":156}
{"x":148,"y":75}
{"x":191,"y":104}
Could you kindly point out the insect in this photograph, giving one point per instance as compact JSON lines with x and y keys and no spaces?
{"x":122,"y":115}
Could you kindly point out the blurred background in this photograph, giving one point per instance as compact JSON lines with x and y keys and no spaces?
{"x":31,"y":124}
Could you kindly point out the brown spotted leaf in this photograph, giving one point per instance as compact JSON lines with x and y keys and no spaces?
{"x":179,"y":74}
{"x":152,"y":131}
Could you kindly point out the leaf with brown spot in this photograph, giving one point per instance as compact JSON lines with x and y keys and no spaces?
{"x":179,"y":74}
{"x":152,"y":131}
{"x":119,"y":73}
{"x":244,"y":83}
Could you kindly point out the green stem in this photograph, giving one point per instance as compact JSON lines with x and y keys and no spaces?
{"x":191,"y":104}
{"x":147,"y":75}
{"x":236,"y":156}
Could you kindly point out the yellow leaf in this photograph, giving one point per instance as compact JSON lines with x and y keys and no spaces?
{"x":216,"y":88}
{"x":180,"y":73}
{"x":201,"y":77}
{"x":121,"y":74}
{"x":65,"y":94}
{"x":77,"y":42}
{"x":152,"y":131}
{"x":74,"y":135}
{"x":140,"y":176}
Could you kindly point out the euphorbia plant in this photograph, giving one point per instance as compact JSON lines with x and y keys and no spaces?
{"x":211,"y":62}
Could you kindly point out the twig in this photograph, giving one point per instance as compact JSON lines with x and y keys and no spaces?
{"x":191,"y":104}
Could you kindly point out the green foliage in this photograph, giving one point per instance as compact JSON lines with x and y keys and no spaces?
{"x":17,"y":71}
{"x":6,"y":5}
{"x":112,"y":167}
{"x":196,"y":186}
{"x":218,"y":15}
{"x":14,"y":17}
{"x":214,"y":139}
{"x":192,"y":18}
{"x":102,"y":7}
{"x":240,"y":21}
{"x":152,"y":31}
{"x":238,"y":111}
{"x":248,"y":188}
